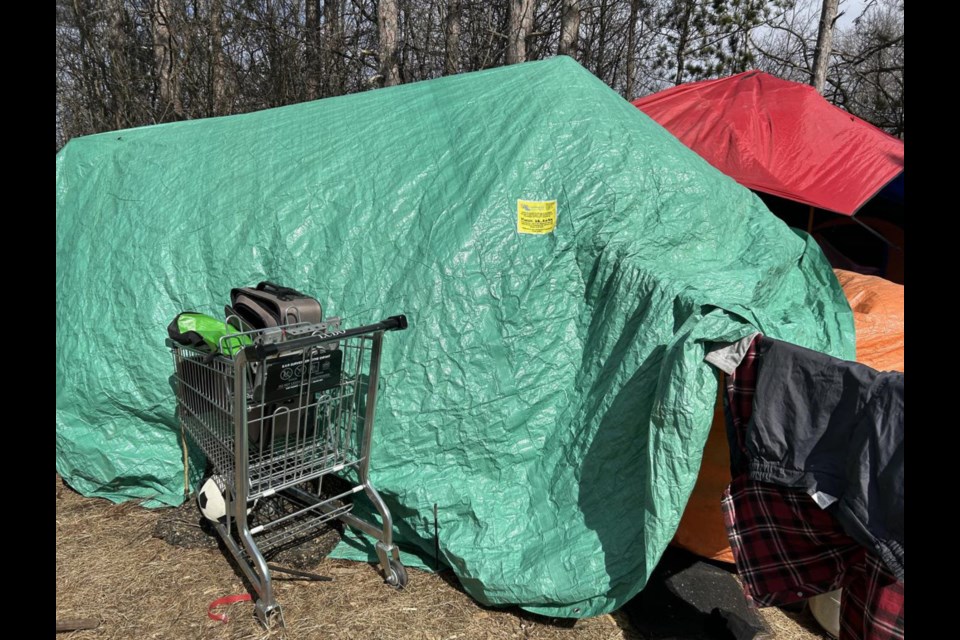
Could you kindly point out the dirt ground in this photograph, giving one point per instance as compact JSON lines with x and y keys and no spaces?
{"x":110,"y":567}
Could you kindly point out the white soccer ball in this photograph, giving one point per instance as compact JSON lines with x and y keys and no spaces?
{"x":212,"y":500}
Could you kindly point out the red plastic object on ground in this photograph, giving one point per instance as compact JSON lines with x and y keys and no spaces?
{"x":780,"y":137}
{"x":226,"y":600}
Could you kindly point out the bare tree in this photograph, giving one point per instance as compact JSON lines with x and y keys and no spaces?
{"x":821,"y":54}
{"x":387,"y":19}
{"x":569,"y":28}
{"x":312,"y":48}
{"x":217,"y":60}
{"x":126,"y":63}
{"x":685,"y":11}
{"x":867,"y":72}
{"x":864,"y":72}
{"x":519,"y":27}
{"x":452,"y":39}
{"x":631,"y":49}
{"x":333,"y":48}
{"x":119,"y":65}
{"x":164,"y":53}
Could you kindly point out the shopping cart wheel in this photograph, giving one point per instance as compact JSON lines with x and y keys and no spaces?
{"x":398,"y":575}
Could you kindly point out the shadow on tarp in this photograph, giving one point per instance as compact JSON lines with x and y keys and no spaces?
{"x":355,"y":545}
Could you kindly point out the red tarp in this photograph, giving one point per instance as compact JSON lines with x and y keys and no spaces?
{"x":781,"y":138}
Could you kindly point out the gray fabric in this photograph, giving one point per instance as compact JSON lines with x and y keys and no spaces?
{"x":836,"y":427}
{"x":727,"y":356}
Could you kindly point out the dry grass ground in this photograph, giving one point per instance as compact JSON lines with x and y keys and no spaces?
{"x":110,"y":567}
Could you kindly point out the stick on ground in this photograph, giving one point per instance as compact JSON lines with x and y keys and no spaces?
{"x":76,"y":624}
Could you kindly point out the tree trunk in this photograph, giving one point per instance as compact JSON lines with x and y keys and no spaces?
{"x":119,"y":70}
{"x":821,"y":55}
{"x":602,"y":52}
{"x":519,"y":26}
{"x":684,"y":28}
{"x":632,"y":49}
{"x":164,"y":58}
{"x":569,"y":28}
{"x":452,"y":65}
{"x":332,"y":52}
{"x":90,"y":88}
{"x":406,"y":34}
{"x":312,"y":46}
{"x":217,"y":62}
{"x":387,"y":22}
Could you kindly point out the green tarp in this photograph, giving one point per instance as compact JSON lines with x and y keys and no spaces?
{"x":550,"y":395}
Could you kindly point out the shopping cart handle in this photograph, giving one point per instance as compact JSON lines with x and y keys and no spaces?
{"x":395,"y":323}
{"x":261,"y":351}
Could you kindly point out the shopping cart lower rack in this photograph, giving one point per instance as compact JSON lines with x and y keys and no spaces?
{"x":276,"y":412}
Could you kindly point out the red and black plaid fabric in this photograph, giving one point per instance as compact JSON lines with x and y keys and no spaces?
{"x":871,"y":605}
{"x":741,"y":385}
{"x":787,"y":548}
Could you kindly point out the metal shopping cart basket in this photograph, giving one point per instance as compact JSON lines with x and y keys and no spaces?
{"x":277,"y":411}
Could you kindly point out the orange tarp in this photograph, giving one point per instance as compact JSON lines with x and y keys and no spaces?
{"x":701,"y":527}
{"x":878,"y":315}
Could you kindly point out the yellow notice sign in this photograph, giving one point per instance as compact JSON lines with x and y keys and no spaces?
{"x":536,"y":217}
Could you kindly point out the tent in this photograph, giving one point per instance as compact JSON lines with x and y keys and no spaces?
{"x":781,"y":138}
{"x":550,"y":395}
{"x":877,"y":307}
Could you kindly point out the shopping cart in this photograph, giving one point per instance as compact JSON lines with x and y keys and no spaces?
{"x":276,"y":412}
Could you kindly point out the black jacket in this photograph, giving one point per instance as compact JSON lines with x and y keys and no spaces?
{"x":835,"y":429}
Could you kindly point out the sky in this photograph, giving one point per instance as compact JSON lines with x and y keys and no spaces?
{"x":851,"y":10}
